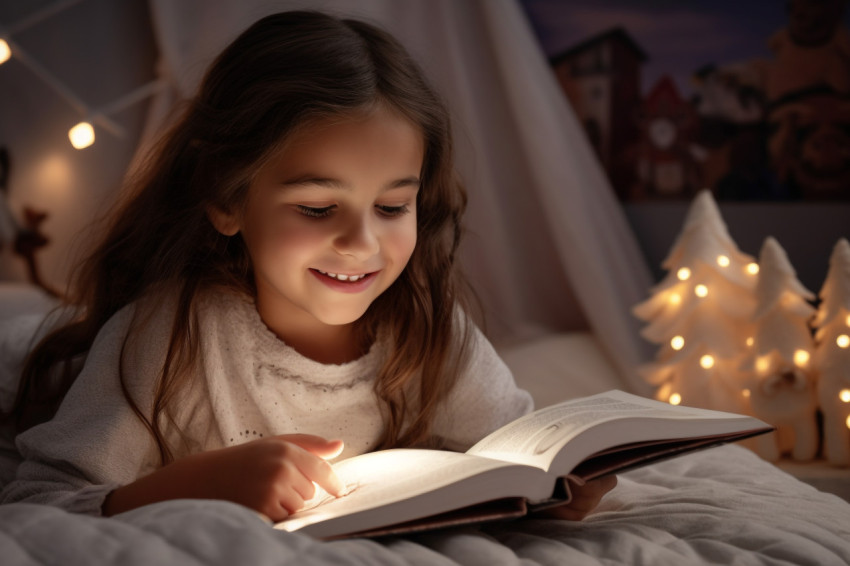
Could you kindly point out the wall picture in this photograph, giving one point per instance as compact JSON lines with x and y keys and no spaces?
{"x":750,"y":99}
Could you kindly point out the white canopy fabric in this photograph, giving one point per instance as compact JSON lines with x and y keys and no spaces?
{"x":548,"y":248}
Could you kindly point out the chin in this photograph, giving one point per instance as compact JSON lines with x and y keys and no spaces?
{"x":340,"y":318}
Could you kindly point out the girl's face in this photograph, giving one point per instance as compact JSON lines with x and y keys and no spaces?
{"x":330,"y":221}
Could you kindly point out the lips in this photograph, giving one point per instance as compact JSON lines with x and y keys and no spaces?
{"x":341,"y":277}
{"x":345,"y":283}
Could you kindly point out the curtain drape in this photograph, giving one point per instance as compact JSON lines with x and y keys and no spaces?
{"x":548,"y":248}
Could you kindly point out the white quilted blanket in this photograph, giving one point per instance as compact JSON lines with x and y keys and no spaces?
{"x":722,"y":506}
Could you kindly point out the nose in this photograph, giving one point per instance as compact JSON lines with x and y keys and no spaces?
{"x":358,"y":237}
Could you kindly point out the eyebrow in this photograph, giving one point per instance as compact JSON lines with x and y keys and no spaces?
{"x":412,"y":181}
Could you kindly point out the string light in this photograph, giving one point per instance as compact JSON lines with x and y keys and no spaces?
{"x":677,"y":343}
{"x":844,"y":395}
{"x":763,"y":364}
{"x":81,"y":135}
{"x":675,"y":399}
{"x":5,"y":51}
{"x":753,"y":268}
{"x":701,"y":290}
{"x":675,"y":299}
{"x":683,"y":274}
{"x":723,"y":261}
{"x":801,"y":357}
{"x":746,"y":393}
{"x":707,"y":361}
{"x":751,"y":341}
{"x":847,"y":422}
{"x":848,"y":320}
{"x":843,"y":341}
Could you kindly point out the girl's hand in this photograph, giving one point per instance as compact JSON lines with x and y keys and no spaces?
{"x":273,"y":476}
{"x":585,"y":498}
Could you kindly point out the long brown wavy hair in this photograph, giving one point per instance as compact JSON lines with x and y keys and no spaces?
{"x":283,"y":72}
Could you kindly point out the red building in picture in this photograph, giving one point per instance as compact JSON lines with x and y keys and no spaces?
{"x":601,"y":78}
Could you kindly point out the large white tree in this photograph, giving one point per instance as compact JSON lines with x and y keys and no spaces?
{"x":699,"y":314}
{"x":832,"y":355}
{"x":781,"y":382}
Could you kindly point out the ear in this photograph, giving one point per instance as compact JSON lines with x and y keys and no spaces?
{"x":225,"y":222}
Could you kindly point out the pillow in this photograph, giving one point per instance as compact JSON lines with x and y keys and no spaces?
{"x":22,"y":298}
{"x":562,"y":366}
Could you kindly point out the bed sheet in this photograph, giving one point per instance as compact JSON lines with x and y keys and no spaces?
{"x":721,"y":506}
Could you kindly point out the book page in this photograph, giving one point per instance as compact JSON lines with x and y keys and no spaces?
{"x":537,"y":438}
{"x":384,"y":482}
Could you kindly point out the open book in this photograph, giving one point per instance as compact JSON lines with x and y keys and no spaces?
{"x":519,"y":468}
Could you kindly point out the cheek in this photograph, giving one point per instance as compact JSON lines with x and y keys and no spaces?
{"x":404,"y":240}
{"x":275,"y":237}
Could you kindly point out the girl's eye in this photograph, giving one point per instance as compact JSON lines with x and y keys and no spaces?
{"x":392,"y":211}
{"x":315,"y":212}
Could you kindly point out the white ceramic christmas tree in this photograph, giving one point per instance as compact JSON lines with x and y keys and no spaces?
{"x":832,"y":356}
{"x":700,"y":314}
{"x":782,"y":382}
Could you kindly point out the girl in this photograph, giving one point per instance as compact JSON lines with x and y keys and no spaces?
{"x":281,"y":279}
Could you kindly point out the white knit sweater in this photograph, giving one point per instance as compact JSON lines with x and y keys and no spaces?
{"x":250,"y":385}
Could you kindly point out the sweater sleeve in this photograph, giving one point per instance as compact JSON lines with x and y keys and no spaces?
{"x":484,"y":398}
{"x":95,"y":442}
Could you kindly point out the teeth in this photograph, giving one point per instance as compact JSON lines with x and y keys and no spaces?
{"x":350,"y":278}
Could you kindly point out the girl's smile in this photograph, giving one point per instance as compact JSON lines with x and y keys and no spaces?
{"x":345,"y":283}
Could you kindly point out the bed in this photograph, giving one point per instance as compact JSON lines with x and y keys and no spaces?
{"x":721,"y":506}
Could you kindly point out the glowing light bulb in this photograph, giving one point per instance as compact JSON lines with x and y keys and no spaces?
{"x":752,"y":268}
{"x":848,"y":320}
{"x":5,"y":51}
{"x":801,"y":357}
{"x":746,"y":393}
{"x":723,"y":261}
{"x":81,"y":135}
{"x":847,"y":422}
{"x":675,"y":299}
{"x":674,"y":399}
{"x":677,"y":343}
{"x":707,"y":361}
{"x":701,"y":290}
{"x":683,"y":274}
{"x":750,"y":341}
{"x":844,"y":395}
{"x":763,"y":364}
{"x":843,"y":341}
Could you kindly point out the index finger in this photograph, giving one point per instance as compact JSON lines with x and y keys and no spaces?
{"x":317,"y":470}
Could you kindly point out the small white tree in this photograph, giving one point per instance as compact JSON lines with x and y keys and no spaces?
{"x":700,"y":314}
{"x":781,"y":381}
{"x":832,"y":356}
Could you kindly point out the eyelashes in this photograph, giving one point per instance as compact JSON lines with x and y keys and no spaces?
{"x":325,"y":211}
{"x":313,"y":211}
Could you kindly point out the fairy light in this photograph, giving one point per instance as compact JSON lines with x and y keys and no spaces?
{"x":746,"y":393}
{"x":751,"y":341}
{"x":847,"y":422}
{"x":674,"y":399}
{"x":843,"y":341}
{"x":844,"y":395}
{"x":5,"y":51}
{"x":706,"y":361}
{"x":848,"y":320}
{"x":762,"y":364}
{"x":675,"y":299}
{"x":752,"y":268}
{"x":683,"y":274}
{"x":81,"y":135}
{"x":801,"y":358}
{"x":723,"y":261}
{"x":677,"y":343}
{"x":701,"y":290}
